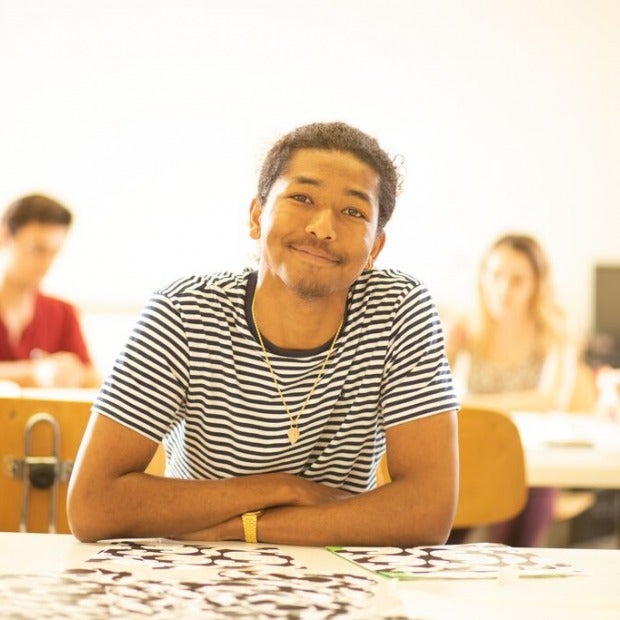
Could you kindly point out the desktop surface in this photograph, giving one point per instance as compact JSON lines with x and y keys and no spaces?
{"x":268,"y":581}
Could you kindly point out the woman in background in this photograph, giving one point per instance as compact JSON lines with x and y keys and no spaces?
{"x":515,"y":355}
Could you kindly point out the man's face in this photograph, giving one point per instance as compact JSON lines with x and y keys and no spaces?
{"x":31,"y":251}
{"x":318,"y":225}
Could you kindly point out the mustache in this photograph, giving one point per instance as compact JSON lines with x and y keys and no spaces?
{"x":320,"y":247}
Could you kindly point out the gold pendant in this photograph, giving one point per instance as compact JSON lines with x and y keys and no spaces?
{"x":293,"y":434}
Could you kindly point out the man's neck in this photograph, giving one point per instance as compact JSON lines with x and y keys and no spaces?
{"x":13,"y":293}
{"x":290,"y":322}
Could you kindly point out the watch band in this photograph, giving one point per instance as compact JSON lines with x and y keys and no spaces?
{"x":250,"y":525}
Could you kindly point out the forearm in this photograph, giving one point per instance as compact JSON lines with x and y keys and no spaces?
{"x":417,"y":507}
{"x":140,"y":505}
{"x":20,"y":372}
{"x":34,"y":373}
{"x":111,"y":497}
{"x":392,"y":515}
{"x":379,"y":517}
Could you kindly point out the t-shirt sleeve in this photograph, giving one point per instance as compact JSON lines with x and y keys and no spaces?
{"x":147,"y":385}
{"x":417,"y":380}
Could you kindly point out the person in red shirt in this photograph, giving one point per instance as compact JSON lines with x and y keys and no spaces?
{"x":41,"y":341}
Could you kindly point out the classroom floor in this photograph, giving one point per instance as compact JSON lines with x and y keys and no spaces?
{"x":596,"y":528}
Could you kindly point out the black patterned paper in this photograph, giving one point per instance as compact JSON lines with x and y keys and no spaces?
{"x":165,"y":554}
{"x":97,"y":594}
{"x":469,"y":561}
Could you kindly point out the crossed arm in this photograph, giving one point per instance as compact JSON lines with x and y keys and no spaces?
{"x":110,"y":496}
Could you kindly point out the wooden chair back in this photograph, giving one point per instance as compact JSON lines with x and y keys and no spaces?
{"x":42,"y":432}
{"x":584,"y":395}
{"x":492,"y":484}
{"x":28,"y":505}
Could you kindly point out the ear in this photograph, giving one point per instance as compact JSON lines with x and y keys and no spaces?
{"x":377,"y":246}
{"x":255,"y":212}
{"x":5,"y":234}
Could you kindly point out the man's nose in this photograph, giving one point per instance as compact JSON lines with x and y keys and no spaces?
{"x":321,"y":224}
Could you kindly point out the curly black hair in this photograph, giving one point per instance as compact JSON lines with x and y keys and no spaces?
{"x":336,"y":136}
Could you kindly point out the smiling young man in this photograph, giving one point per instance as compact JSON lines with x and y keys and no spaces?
{"x":276,"y":391}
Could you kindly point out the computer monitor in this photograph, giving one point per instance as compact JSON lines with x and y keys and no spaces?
{"x":607,"y":301}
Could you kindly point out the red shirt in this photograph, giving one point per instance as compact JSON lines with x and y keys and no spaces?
{"x":54,"y":328}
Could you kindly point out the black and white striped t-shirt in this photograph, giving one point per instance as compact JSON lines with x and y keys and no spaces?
{"x":193,"y":373}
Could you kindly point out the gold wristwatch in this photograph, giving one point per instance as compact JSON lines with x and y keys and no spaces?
{"x":250,"y":525}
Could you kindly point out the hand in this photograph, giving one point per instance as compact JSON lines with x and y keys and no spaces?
{"x":302,"y":493}
{"x":307,"y":493}
{"x":61,"y":369}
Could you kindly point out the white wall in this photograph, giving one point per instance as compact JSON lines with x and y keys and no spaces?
{"x":150,"y":118}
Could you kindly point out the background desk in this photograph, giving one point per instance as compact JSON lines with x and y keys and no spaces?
{"x":594,"y":594}
{"x":567,"y":450}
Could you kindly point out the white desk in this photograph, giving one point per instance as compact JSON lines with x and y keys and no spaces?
{"x":568,"y":450}
{"x":594,"y":594}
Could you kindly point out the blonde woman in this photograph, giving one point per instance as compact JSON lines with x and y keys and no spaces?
{"x":515,"y":355}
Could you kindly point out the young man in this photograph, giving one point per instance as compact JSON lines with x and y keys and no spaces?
{"x":41,"y":342}
{"x":276,"y":391}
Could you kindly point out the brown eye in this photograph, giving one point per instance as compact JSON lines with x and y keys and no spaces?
{"x":353,"y":212}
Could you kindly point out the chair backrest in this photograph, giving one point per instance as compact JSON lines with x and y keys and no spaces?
{"x":492,"y":484}
{"x":39,"y":440}
{"x":38,"y":444}
{"x":584,"y":396}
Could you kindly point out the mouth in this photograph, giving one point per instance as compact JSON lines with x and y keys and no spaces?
{"x":316,"y":255}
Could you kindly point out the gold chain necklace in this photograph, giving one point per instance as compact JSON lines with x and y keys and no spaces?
{"x":293,"y":431}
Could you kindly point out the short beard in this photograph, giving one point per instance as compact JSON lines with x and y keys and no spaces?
{"x":311,"y":290}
